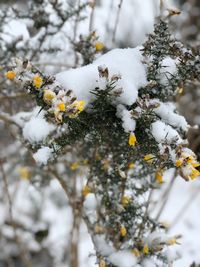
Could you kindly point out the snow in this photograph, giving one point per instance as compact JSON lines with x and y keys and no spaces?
{"x":37,"y":129}
{"x":165,"y":133}
{"x":43,"y":155}
{"x":123,"y":259}
{"x":15,"y":29}
{"x":166,"y":111}
{"x":103,"y":246}
{"x":125,"y":62}
{"x":168,"y":68}
{"x":128,"y":123}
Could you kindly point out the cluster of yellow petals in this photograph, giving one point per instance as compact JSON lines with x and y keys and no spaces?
{"x":149,"y":158}
{"x":61,"y":106}
{"x":159,"y":176}
{"x":10,"y":75}
{"x":131,"y":165}
{"x":125,"y":201}
{"x":123,"y":231}
{"x":146,"y":249}
{"x":86,"y":190}
{"x":136,"y":252}
{"x":188,"y":164}
{"x":102,"y":263}
{"x":37,"y":81}
{"x":99,"y":46}
{"x":24,"y":173}
{"x":78,"y":106}
{"x":48,"y":95}
{"x":132,"y":139}
{"x":74,"y":166}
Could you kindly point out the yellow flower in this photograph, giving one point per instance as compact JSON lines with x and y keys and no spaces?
{"x":74,"y":166}
{"x":149,"y":158}
{"x":102,"y":263}
{"x":179,"y":162}
{"x":24,"y":173}
{"x":195,"y":164}
{"x":79,"y":105}
{"x":131,"y":165}
{"x":86,"y":190}
{"x":194,"y":174}
{"x":132,"y":139}
{"x":136,"y":252}
{"x":37,"y":81}
{"x":171,"y":242}
{"x":125,"y":200}
{"x":48,"y":95}
{"x":10,"y":75}
{"x":146,"y":249}
{"x":123,"y":231}
{"x":159,"y":177}
{"x":99,"y":46}
{"x":61,"y":106}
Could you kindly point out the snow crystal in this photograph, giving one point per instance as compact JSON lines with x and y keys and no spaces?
{"x":125,"y":62}
{"x":37,"y":129}
{"x":164,"y":133}
{"x":123,"y":259}
{"x":43,"y":155}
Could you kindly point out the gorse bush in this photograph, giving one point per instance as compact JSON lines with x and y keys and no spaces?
{"x":108,"y":132}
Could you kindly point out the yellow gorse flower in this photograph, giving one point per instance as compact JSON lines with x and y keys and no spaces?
{"x":194,"y":173}
{"x":171,"y":242}
{"x":99,"y":46}
{"x":102,"y":263}
{"x":149,"y":158}
{"x":86,"y":190}
{"x":159,"y":177}
{"x":146,"y":249}
{"x":123,"y":231}
{"x":61,"y":106}
{"x":24,"y":173}
{"x":37,"y":81}
{"x":136,"y":252}
{"x":132,"y":139}
{"x":125,"y":200}
{"x":179,"y":162}
{"x":10,"y":75}
{"x":79,"y":105}
{"x":188,"y":164}
{"x":131,"y":165}
{"x":74,"y":166}
{"x":48,"y":95}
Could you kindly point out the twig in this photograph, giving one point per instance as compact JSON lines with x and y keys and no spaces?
{"x":117,"y":21}
{"x":93,"y":5}
{"x":23,"y":253}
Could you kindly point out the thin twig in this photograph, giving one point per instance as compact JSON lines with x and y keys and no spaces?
{"x":23,"y":253}
{"x":93,"y":5}
{"x":117,"y":21}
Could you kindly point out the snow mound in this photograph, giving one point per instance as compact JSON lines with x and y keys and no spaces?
{"x":124,"y":62}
